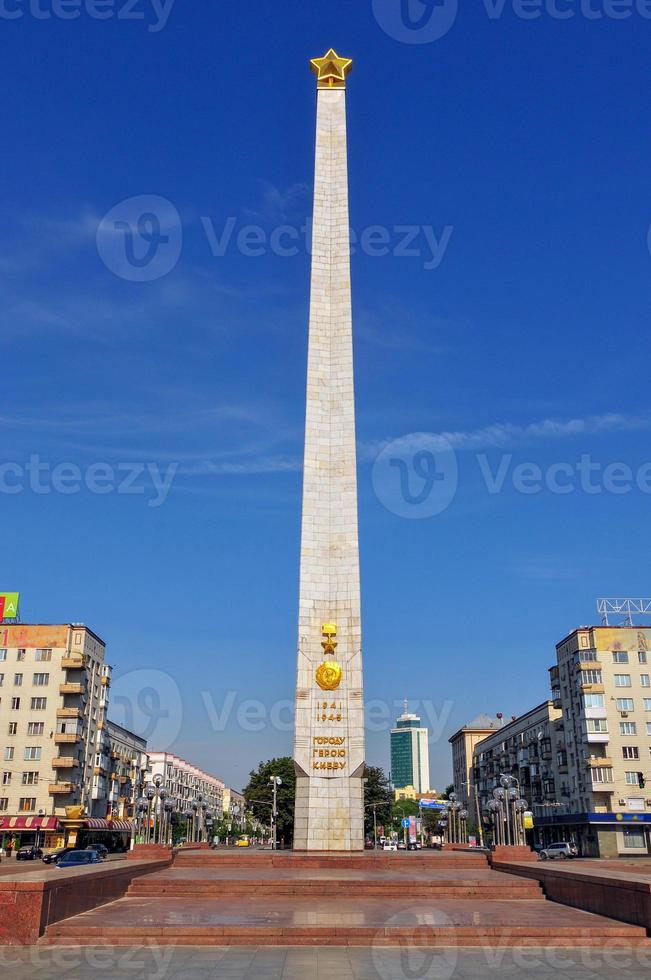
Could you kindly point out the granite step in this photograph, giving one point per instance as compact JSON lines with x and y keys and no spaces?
{"x":507,"y":890}
{"x":283,"y":921}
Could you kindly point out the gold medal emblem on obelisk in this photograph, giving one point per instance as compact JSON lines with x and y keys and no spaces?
{"x":329,"y":673}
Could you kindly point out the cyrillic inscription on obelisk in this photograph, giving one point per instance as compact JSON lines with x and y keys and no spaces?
{"x":329,"y":735}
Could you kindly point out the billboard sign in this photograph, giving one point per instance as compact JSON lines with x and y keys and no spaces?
{"x":427,"y":804}
{"x":9,"y":605}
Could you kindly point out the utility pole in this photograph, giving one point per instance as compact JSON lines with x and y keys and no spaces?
{"x":276,"y":782}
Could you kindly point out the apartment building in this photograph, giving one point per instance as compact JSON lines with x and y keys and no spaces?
{"x":185,"y":783}
{"x":526,"y":748}
{"x":54,"y":686}
{"x":127,"y":771}
{"x":602,"y":683}
{"x":463,"y":744}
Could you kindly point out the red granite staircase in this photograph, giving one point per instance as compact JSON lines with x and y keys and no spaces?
{"x":260,"y":898}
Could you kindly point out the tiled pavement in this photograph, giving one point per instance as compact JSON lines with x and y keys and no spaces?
{"x":322,"y":963}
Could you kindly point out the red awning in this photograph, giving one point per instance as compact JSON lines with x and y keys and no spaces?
{"x":29,"y":823}
{"x":94,"y":823}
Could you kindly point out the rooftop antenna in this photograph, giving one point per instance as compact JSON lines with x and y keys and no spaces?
{"x":622,"y":607}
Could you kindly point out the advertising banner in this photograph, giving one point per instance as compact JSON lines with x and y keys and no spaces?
{"x":413,"y":833}
{"x":427,"y":804}
{"x":9,"y":605}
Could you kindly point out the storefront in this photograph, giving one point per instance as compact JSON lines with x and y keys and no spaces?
{"x":44,"y":832}
{"x":114,"y":834}
{"x":603,"y":835}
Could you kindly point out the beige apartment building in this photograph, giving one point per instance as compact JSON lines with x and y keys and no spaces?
{"x":525,"y":748}
{"x":602,"y":684}
{"x":186,"y":783}
{"x":127,"y":772}
{"x":463,"y":744}
{"x":54,"y":687}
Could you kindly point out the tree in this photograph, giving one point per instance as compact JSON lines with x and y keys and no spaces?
{"x":259,"y":796}
{"x":448,"y":789}
{"x":377,"y":790}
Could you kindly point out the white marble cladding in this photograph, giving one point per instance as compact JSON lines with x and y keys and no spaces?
{"x":329,"y":807}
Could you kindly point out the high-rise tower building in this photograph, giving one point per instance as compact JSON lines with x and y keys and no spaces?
{"x":329,"y":733}
{"x":410,"y":754}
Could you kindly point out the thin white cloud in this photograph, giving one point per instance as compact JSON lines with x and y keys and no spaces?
{"x":504,"y":434}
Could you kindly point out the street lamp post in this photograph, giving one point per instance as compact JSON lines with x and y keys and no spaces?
{"x":276,"y":781}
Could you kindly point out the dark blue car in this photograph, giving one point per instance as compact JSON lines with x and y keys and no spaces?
{"x":78,"y":859}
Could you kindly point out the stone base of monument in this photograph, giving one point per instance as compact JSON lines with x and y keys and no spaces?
{"x":277,"y":898}
{"x":149,"y":852}
{"x":512,"y":853}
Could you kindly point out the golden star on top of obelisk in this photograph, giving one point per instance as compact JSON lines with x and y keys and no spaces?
{"x":331,"y":70}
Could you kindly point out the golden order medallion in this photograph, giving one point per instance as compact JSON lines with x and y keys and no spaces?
{"x":328,"y":675}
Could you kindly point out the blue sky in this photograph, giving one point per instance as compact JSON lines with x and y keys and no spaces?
{"x":519,"y":147}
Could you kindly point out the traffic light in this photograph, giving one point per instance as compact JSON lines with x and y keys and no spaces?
{"x":641,"y":781}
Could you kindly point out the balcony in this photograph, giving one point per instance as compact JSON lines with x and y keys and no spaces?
{"x":105,"y":681}
{"x":589,"y":665}
{"x":73,"y":663}
{"x":61,"y":789}
{"x":69,"y":713}
{"x":592,"y":688}
{"x":72,"y":688}
{"x":595,"y":761}
{"x":64,"y":762}
{"x":599,"y":738}
{"x":67,"y":738}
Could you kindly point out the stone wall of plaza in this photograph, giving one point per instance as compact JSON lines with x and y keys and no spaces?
{"x":526,"y":748}
{"x":602,"y":684}
{"x":185,"y":782}
{"x":53,"y":700}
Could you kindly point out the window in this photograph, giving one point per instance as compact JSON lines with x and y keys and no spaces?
{"x":625,"y":704}
{"x":3,"y":655}
{"x":13,"y":727}
{"x":41,"y":680}
{"x":648,"y":727}
{"x":21,"y":656}
{"x":591,"y":677}
{"x":620,"y":657}
{"x":593,"y":701}
{"x":647,"y":704}
{"x":602,"y":774}
{"x":632,"y":779}
{"x":9,"y":753}
{"x":15,"y":704}
{"x":4,"y":803}
{"x":622,"y":680}
{"x":30,"y":778}
{"x":644,"y":680}
{"x":35,"y":728}
{"x":633,"y":838}
{"x":641,"y":657}
{"x":631,"y":752}
{"x":43,"y":656}
{"x":6,"y":779}
{"x":39,"y":704}
{"x":27,"y":804}
{"x":32,"y":752}
{"x":627,"y":728}
{"x":2,"y":679}
{"x":18,"y":680}
{"x":597,"y":725}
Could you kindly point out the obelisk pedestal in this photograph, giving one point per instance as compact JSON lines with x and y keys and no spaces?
{"x":329,"y":734}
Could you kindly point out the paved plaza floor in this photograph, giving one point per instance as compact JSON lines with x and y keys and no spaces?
{"x":617,"y":962}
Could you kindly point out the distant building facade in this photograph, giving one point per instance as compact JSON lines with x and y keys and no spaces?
{"x":185,"y":783}
{"x":463,"y":744}
{"x":410,"y":754}
{"x":127,"y":772}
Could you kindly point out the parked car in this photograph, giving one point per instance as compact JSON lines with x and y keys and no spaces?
{"x":55,"y":856}
{"x":562,"y":850}
{"x":101,"y":849}
{"x":77,"y":859}
{"x":412,"y":846}
{"x":402,"y":846}
{"x":29,"y":853}
{"x":389,"y":845}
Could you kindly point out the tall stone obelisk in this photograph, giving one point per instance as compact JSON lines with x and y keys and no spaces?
{"x":329,"y":735}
